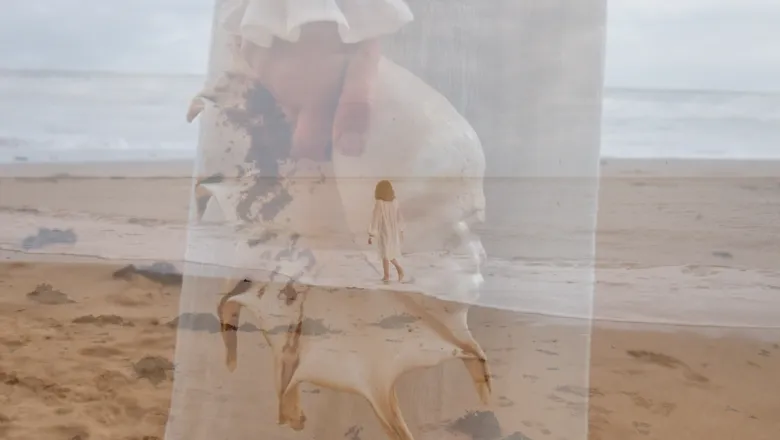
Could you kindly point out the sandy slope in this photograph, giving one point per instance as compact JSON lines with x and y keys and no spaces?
{"x":65,"y":375}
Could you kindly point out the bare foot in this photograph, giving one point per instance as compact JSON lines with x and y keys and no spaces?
{"x":400,"y":274}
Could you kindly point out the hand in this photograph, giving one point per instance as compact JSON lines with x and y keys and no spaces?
{"x":369,"y":240}
{"x":196,"y":106}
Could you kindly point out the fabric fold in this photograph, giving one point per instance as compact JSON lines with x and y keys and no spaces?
{"x":260,"y":21}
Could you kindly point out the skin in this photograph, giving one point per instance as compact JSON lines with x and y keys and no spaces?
{"x":323,"y":86}
{"x":384,"y":191}
{"x":386,"y":266}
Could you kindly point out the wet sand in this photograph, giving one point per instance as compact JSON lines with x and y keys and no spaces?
{"x":89,"y":356}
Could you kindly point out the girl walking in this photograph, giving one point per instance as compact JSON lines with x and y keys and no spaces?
{"x":387,"y":226}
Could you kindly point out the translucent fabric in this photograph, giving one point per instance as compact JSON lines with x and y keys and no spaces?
{"x":485,"y":118}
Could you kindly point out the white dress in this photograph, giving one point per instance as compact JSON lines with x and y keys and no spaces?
{"x":387,"y":223}
{"x":260,"y":21}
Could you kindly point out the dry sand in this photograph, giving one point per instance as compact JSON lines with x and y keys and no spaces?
{"x":92,"y":361}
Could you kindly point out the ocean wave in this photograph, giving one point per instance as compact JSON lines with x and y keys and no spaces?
{"x":73,"y":116}
{"x":661,"y":105}
{"x":60,"y":143}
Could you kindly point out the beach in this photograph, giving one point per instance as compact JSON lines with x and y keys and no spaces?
{"x":684,"y":344}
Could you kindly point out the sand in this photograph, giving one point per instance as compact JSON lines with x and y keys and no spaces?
{"x":89,"y":356}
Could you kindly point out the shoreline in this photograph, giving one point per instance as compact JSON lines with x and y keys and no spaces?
{"x":89,"y":263}
{"x":653,"y":322}
{"x":692,"y":250}
{"x":610,"y":167}
{"x":688,"y":167}
{"x":691,"y":242}
{"x":118,"y":169}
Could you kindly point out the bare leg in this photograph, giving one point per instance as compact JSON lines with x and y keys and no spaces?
{"x":386,"y":269}
{"x":290,"y":411}
{"x":228,"y":314}
{"x":398,"y":269}
{"x":289,"y":398}
{"x":351,"y":124}
{"x":312,"y":132}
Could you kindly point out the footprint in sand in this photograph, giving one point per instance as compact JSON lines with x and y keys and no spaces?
{"x":46,"y":294}
{"x":638,"y":400}
{"x":557,"y":399}
{"x":579,"y":391}
{"x":723,"y":254}
{"x":667,"y":361}
{"x":161,"y":272}
{"x":642,"y":427}
{"x":13,"y":344}
{"x":477,"y":425}
{"x":132,"y":297}
{"x":108,"y":381}
{"x":663,"y":408}
{"x":599,"y":410}
{"x":204,"y":322}
{"x":353,"y":433}
{"x":105,"y":413}
{"x":505,"y":402}
{"x":153,"y":368}
{"x":70,"y":432}
{"x":102,"y":320}
{"x":132,"y":408}
{"x":700,"y":271}
{"x":152,"y":343}
{"x":36,"y":385}
{"x":100,"y":351}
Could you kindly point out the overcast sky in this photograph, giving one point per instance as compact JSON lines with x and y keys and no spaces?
{"x":694,"y":44}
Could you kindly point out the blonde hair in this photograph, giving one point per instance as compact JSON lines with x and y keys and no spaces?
{"x":384,"y":191}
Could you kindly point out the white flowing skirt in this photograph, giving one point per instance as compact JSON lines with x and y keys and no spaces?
{"x":260,"y":21}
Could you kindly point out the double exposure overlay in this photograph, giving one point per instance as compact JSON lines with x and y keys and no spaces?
{"x":382,"y":188}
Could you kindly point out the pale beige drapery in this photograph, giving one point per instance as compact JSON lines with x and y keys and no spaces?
{"x":526,"y":77}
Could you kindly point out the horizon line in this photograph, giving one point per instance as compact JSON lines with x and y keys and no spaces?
{"x":112,"y":73}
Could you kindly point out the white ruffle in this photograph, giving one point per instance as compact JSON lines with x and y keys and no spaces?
{"x":259,"y":21}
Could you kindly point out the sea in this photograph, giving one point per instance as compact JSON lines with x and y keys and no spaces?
{"x":74,"y":117}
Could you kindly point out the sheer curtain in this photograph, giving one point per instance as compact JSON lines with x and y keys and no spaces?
{"x":506,"y":166}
